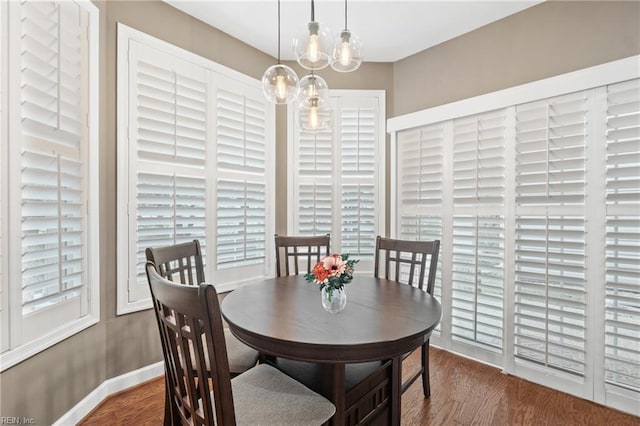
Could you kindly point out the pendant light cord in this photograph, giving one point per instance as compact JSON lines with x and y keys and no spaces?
{"x":278,"y":32}
{"x":313,"y":12}
{"x":345,"y":15}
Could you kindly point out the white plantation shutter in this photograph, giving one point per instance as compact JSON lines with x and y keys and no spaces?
{"x":242,"y":173}
{"x":49,"y":169}
{"x":420,"y":157}
{"x":550,"y":151}
{"x":358,"y":147}
{"x":52,"y":50}
{"x":540,"y":224}
{"x":314,"y":214}
{"x":315,"y":193}
{"x":241,"y":223}
{"x":550,"y":288}
{"x":477,"y":283}
{"x":550,"y":292}
{"x":195,"y":162}
{"x":53,"y":162}
{"x":170,"y":210}
{"x":4,"y":288}
{"x":478,"y":159}
{"x":167,"y":146}
{"x":622,"y":300}
{"x":336,"y":176}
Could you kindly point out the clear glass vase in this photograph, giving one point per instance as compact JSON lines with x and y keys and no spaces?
{"x":334,"y":300}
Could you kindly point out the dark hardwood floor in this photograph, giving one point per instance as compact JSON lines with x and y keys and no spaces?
{"x":463,"y":393}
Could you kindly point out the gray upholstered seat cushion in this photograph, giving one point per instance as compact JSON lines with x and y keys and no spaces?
{"x":265,"y":396}
{"x":241,"y":357}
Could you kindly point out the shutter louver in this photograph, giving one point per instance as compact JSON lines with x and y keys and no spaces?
{"x":241,"y":223}
{"x":550,"y":292}
{"x":421,"y":160}
{"x":358,"y":139}
{"x":315,"y":152}
{"x":622,"y":288}
{"x":169,"y":127}
{"x":622,"y":301}
{"x":52,"y":36}
{"x":358,"y":177}
{"x":314,"y":215}
{"x":54,"y":198}
{"x":241,"y":178}
{"x":240,"y":131}
{"x":477,"y":281}
{"x":550,"y":300}
{"x":358,"y":219}
{"x":478,"y":239}
{"x":623,"y":143}
{"x":171,"y":116}
{"x":315,"y":193}
{"x":170,"y":210}
{"x":478,"y":159}
{"x":551,"y":151}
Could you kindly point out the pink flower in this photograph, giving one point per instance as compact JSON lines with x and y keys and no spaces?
{"x":321,"y":273}
{"x":334,"y":265}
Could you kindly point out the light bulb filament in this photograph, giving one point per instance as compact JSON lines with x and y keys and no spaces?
{"x":314,"y":115}
{"x":313,"y":48}
{"x":345,"y":53}
{"x":281,"y":86}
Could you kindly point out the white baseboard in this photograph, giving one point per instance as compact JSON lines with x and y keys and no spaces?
{"x":109,"y":387}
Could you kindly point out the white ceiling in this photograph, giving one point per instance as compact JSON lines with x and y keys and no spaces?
{"x":389,"y":30}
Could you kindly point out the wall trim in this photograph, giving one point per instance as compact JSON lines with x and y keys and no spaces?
{"x":108,"y":388}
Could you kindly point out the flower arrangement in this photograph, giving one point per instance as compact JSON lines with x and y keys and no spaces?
{"x":332,"y":272}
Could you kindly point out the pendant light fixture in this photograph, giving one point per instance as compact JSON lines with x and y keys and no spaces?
{"x":280,"y":82}
{"x":314,"y":113}
{"x":347,"y":50}
{"x":313,"y":86}
{"x":312,"y":47}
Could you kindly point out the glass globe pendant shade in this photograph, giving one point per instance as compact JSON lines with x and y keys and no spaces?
{"x":280,"y":84}
{"x":314,"y":115}
{"x":347,"y":52}
{"x":313,"y":86}
{"x":312,"y":47}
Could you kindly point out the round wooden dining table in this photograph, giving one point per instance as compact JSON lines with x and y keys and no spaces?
{"x":383,"y":320}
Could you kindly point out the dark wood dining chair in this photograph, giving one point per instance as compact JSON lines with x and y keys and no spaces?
{"x":183,"y":264}
{"x":192,"y":332}
{"x":291,"y":251}
{"x":406,"y":262}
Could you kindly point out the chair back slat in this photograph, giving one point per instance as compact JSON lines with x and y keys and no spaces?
{"x":408,"y":259}
{"x":180,"y":263}
{"x":291,"y":251}
{"x":191,"y":330}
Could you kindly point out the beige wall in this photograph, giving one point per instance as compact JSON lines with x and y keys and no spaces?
{"x":548,"y":39}
{"x":542,"y":41}
{"x":47,"y":385}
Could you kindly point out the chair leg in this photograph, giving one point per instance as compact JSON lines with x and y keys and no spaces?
{"x":426,"y":387}
{"x":168,"y":416}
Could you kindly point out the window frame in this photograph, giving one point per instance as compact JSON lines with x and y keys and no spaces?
{"x":14,"y":348}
